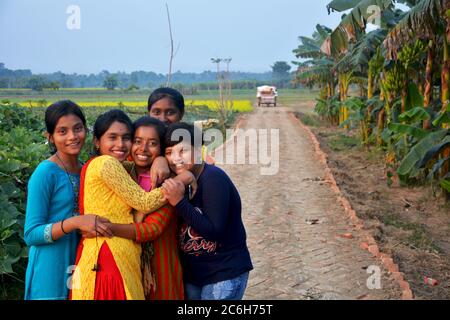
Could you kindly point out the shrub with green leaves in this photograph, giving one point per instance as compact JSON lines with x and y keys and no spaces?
{"x":22,"y":147}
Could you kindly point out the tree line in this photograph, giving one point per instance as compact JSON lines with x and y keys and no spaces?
{"x":140,"y":79}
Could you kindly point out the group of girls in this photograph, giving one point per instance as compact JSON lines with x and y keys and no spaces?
{"x":142,"y":219}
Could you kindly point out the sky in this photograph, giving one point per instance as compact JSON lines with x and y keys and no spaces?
{"x":130,"y":35}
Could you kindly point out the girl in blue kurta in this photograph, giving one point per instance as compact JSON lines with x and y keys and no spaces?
{"x":52,"y":219}
{"x":50,"y":200}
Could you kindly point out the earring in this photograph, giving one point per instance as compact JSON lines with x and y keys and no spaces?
{"x":52,"y":147}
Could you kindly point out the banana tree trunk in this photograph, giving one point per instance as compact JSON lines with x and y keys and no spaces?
{"x":380,"y":126}
{"x":341,"y":99}
{"x":428,"y":82}
{"x":445,"y":79}
{"x":370,"y":85}
{"x":404,"y":95}
{"x":344,"y":107}
{"x":445,"y":76}
{"x":364,"y":132}
{"x":345,"y":83}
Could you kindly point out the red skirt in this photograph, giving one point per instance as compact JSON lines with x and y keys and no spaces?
{"x":108,"y":281}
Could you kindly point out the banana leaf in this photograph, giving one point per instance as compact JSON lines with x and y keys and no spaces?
{"x":436,"y":167}
{"x":415,"y":115}
{"x":445,"y":184}
{"x":400,"y":128}
{"x":443,"y":117}
{"x":423,"y":21}
{"x":408,"y":166}
{"x":377,"y":108}
{"x":386,"y":135}
{"x":352,"y":25}
{"x":341,"y":5}
{"x":366,"y":47}
{"x":413,"y":98}
{"x":434,"y":151}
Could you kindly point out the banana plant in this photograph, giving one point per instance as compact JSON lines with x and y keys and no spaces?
{"x":353,"y":25}
{"x":317,"y":68}
{"x":396,"y":67}
{"x":328,"y":109}
{"x":421,"y":154}
{"x":357,"y":108}
{"x":428,"y":20}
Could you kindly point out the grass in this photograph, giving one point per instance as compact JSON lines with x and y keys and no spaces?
{"x":308,"y":119}
{"x":418,"y":238}
{"x":342,"y":142}
{"x":375,"y":154}
{"x":80,"y":95}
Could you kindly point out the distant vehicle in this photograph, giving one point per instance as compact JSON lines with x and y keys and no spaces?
{"x":267,"y":95}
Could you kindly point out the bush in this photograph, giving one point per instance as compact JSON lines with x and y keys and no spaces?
{"x":22,"y":147}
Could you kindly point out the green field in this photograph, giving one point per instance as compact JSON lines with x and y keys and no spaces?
{"x":27,"y":96}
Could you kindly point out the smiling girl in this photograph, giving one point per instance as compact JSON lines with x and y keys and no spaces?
{"x":52,"y":211}
{"x":161,"y":267}
{"x":109,"y":268}
{"x":215,"y":257}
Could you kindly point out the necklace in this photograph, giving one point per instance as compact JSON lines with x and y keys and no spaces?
{"x":74,"y":185}
{"x":76,"y":210}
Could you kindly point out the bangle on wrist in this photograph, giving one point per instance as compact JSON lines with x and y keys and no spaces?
{"x":62,"y":228}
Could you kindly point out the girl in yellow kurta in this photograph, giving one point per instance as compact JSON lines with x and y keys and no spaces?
{"x":109,"y":191}
{"x":109,"y":268}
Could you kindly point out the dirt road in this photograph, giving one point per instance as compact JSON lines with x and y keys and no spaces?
{"x":292,"y":258}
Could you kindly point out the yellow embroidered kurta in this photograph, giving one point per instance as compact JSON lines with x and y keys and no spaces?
{"x":110,"y":192}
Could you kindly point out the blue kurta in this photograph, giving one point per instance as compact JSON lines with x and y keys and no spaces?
{"x":50,"y":263}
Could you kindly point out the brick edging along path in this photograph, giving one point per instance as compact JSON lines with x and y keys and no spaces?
{"x":370,"y":243}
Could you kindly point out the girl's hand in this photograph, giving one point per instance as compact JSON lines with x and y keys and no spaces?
{"x":159,"y":171}
{"x":188,"y":178}
{"x":89,"y":228}
{"x":139,"y":216}
{"x":173,"y":191}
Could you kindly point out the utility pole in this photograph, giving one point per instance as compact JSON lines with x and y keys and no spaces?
{"x":227,"y":61}
{"x":169,"y":75}
{"x":225,"y":105}
{"x":219,"y":78}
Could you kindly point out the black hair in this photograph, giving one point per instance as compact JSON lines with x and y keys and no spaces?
{"x":190,"y":128}
{"x":159,"y":126}
{"x":60,"y":109}
{"x":105,"y":120}
{"x":172,"y":94}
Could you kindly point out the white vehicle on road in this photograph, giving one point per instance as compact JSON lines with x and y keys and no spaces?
{"x":267,"y":95}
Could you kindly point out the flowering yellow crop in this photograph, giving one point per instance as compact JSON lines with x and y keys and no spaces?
{"x":236,"y":105}
{"x":112,"y":104}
